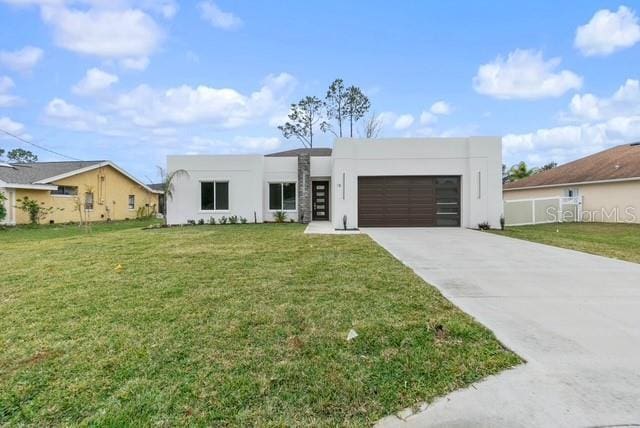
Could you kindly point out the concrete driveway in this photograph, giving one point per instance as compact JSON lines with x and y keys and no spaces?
{"x":574,"y":317}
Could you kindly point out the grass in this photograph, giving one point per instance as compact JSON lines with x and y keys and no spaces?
{"x":223,"y":325}
{"x":617,"y":240}
{"x":41,"y":232}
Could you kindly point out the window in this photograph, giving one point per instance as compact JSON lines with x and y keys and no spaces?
{"x":65,"y":191}
{"x":282,"y":196}
{"x":448,"y":200}
{"x":214,"y":195}
{"x":88,"y":201}
{"x":132,"y":202}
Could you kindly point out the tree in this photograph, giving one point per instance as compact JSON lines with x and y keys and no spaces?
{"x":1,"y":153}
{"x":335,"y":102}
{"x":22,"y":156}
{"x":372,"y":126}
{"x":356,"y":106}
{"x":303,"y":118}
{"x":166,"y":180}
{"x":548,"y":166}
{"x":520,"y":171}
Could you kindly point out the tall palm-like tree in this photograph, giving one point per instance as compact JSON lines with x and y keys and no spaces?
{"x":520,"y":171}
{"x":166,"y":180}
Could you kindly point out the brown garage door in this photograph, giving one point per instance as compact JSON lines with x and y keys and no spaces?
{"x":417,"y":201}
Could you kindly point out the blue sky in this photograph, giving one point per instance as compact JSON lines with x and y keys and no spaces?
{"x":135,"y":80}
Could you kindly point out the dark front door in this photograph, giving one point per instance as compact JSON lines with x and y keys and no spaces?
{"x":320,"y":200}
{"x":416,"y":201}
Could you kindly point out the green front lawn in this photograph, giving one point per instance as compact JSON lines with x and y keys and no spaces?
{"x":40,"y":232}
{"x":223,"y":325}
{"x":620,"y":241}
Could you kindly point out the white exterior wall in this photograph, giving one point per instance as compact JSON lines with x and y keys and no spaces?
{"x":320,"y":167}
{"x":475,"y":158}
{"x":245,"y":177}
{"x":9,"y":204}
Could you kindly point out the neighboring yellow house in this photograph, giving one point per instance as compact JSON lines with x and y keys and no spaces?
{"x":95,"y":190}
{"x":606,"y":184}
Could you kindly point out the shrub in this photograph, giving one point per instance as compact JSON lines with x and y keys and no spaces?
{"x":191,"y":222}
{"x":222,"y":220}
{"x":484,"y":226}
{"x":212,"y":220}
{"x":279,"y":216}
{"x":201,"y":221}
{"x":243,"y":220}
{"x":233,"y":219}
{"x":37,"y":211}
{"x":501,"y":222}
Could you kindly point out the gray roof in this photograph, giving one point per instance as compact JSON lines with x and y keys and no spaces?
{"x":318,"y":151}
{"x":29,"y":173}
{"x":156,"y":186}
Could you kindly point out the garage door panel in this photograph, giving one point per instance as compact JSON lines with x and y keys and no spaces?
{"x":408,"y":201}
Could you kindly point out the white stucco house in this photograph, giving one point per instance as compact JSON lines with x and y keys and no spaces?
{"x":411,"y":182}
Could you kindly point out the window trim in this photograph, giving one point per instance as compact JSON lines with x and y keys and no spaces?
{"x":214,"y":181}
{"x":269,"y":183}
{"x":129,"y":204}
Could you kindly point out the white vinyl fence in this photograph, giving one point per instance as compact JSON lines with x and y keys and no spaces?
{"x":519,"y":212}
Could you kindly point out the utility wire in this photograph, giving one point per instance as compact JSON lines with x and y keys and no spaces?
{"x":36,"y":145}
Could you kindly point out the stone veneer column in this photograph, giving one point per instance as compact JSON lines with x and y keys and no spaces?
{"x":304,"y":187}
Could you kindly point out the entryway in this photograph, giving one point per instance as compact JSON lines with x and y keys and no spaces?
{"x":320,"y":200}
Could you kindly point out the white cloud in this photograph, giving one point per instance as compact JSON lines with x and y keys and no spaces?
{"x":129,"y":35}
{"x":598,"y":123}
{"x":165,"y":8}
{"x":608,"y":32}
{"x":396,"y":121}
{"x":6,"y":84}
{"x":95,"y":80}
{"x":22,"y":60}
{"x":239,"y":144}
{"x":526,"y":75}
{"x":403,"y":122}
{"x":427,"y":118}
{"x":625,"y":101}
{"x":259,"y":143}
{"x":69,"y":116}
{"x":441,"y":108}
{"x":564,"y":143}
{"x":223,"y":107}
{"x":211,"y":13}
{"x":139,"y":64}
{"x":6,"y":98}
{"x":16,"y":128}
{"x":585,"y":106}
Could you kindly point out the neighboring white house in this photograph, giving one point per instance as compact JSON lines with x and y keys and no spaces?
{"x":361,"y":182}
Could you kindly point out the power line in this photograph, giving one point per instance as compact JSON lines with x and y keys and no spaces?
{"x":36,"y":145}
